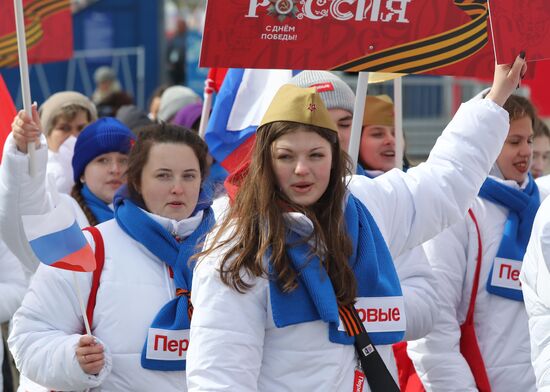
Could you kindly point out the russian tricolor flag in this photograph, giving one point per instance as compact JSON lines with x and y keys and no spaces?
{"x":57,"y":240}
{"x":240,"y":105}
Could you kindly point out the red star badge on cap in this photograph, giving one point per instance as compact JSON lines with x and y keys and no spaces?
{"x":312,"y":107}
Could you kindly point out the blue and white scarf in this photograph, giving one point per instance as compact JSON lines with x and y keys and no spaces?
{"x":522,"y":206}
{"x":314,"y":298}
{"x":99,"y":208}
{"x":138,"y":225}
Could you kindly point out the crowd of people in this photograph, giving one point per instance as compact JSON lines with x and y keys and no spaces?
{"x":297,"y":275}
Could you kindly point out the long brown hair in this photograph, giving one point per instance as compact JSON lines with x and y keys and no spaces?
{"x":255,"y":223}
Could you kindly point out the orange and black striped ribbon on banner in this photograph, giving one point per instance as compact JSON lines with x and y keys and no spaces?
{"x":35,"y":12}
{"x":431,"y":52}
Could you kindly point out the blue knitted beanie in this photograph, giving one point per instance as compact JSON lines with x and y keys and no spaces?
{"x":100,"y":137}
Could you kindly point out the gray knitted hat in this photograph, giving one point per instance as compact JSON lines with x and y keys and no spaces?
{"x":336,"y":94}
{"x":173,"y":99}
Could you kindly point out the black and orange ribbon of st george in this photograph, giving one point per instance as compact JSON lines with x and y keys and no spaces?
{"x":35,"y":12}
{"x":349,"y":317}
{"x":187,"y":293}
{"x":432,"y":52}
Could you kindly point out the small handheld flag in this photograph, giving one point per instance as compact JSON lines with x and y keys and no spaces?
{"x":56,"y":239}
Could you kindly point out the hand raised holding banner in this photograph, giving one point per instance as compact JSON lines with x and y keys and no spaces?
{"x":25,"y":129}
{"x":506,"y":79}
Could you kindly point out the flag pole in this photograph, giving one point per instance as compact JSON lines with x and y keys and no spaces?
{"x":81,"y":302}
{"x":357,"y":122}
{"x":206,"y":106}
{"x":398,"y":113}
{"x":24,"y":72}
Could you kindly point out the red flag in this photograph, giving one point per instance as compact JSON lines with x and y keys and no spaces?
{"x":540,"y":93}
{"x":48,"y":27}
{"x":518,"y":26}
{"x":216,"y":75}
{"x":7,"y":112}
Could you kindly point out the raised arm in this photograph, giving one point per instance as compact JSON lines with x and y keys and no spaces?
{"x":412,"y":207}
{"x":419,"y":292}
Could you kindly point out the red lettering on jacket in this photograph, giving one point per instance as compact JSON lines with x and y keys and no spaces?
{"x":171,"y":345}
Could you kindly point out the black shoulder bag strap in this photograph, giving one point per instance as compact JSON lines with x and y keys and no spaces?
{"x":375,"y":370}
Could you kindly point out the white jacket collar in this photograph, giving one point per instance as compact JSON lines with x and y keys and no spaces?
{"x":182,"y":228}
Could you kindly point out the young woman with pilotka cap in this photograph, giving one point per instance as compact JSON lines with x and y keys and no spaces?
{"x":302,"y":243}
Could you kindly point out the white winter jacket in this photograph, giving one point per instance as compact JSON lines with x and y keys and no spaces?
{"x":419,"y":289}
{"x":535,"y":279}
{"x":134,"y":286}
{"x":415,"y":275}
{"x":500,"y":323}
{"x":234,"y":344}
{"x":13,"y":285}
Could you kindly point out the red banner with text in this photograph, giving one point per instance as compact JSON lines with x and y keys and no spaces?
{"x":444,"y":37}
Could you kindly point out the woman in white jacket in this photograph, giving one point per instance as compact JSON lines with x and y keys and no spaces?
{"x":504,"y":212}
{"x":377,"y":156}
{"x":141,"y":315}
{"x":98,"y":167}
{"x":257,"y":326}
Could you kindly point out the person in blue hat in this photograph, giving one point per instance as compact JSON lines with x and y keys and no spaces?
{"x":99,"y":163}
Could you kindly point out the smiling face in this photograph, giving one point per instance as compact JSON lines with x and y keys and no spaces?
{"x":516,"y":154}
{"x":377,"y":149}
{"x":171,"y":180}
{"x":105,"y":174}
{"x":302,"y":162}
